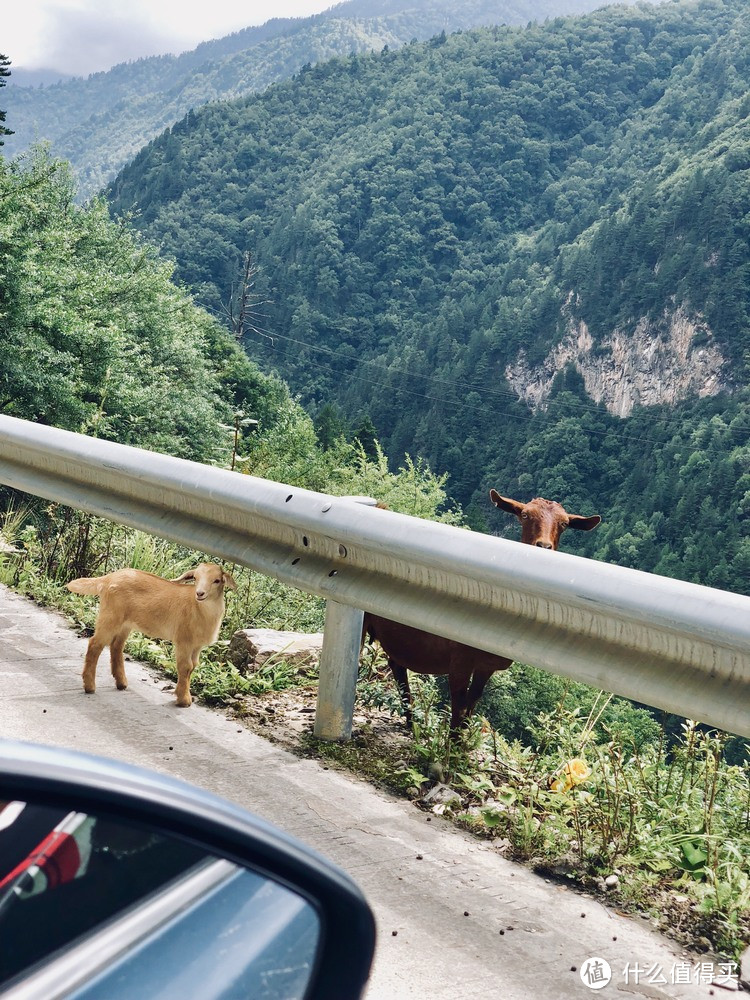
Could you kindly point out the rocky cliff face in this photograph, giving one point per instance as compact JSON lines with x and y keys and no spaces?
{"x":653,"y":364}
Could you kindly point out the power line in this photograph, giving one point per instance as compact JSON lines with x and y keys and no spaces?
{"x":457,"y":384}
{"x":453,"y":383}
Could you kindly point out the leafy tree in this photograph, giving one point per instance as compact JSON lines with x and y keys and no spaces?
{"x":365,"y":436}
{"x":330,"y":426}
{"x":98,"y":339}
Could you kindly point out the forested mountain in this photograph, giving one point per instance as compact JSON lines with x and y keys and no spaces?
{"x":96,"y":338}
{"x":99,"y":123}
{"x":502,"y":245}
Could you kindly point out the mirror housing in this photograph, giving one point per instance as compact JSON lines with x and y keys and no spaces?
{"x":105,"y":788}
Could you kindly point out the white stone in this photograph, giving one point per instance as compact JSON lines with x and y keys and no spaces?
{"x":442,"y":795}
{"x":251,"y":648}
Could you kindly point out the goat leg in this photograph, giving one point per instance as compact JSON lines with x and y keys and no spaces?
{"x":401,"y":677}
{"x":93,"y":652}
{"x":461,"y":686}
{"x":478,"y":683}
{"x":187,"y":661}
{"x":117,"y":659}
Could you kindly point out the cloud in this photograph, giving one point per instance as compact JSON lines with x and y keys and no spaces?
{"x":84,"y":36}
{"x":82,"y":41}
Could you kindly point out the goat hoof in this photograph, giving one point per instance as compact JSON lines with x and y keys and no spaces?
{"x":184,"y":702}
{"x":121,"y":685}
{"x":89,"y":690}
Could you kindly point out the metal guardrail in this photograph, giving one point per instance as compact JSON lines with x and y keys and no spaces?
{"x":673,"y":645}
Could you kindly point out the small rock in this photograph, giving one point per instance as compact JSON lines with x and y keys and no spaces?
{"x":611,"y":882}
{"x":442,"y":795}
{"x":412,"y":792}
{"x":563,"y":868}
{"x":9,"y":549}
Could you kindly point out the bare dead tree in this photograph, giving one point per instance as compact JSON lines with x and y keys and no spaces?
{"x":244,"y":305}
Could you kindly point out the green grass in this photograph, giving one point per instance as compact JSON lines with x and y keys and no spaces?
{"x":670,"y":818}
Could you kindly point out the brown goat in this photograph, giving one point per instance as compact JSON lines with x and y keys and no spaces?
{"x":468,"y":669}
{"x":188,"y":617}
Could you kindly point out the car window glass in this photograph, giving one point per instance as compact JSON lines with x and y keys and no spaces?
{"x":248,"y":937}
{"x":64,"y":873}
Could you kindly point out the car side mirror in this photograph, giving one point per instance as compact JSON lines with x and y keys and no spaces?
{"x":120,"y":882}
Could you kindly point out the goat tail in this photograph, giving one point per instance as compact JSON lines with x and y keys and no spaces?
{"x":87,"y":585}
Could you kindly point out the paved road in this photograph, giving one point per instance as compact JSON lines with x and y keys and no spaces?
{"x":445,"y":904}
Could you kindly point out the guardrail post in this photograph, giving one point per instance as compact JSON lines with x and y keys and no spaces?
{"x":339,"y":663}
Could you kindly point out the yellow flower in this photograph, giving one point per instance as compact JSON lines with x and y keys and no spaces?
{"x":571,"y":774}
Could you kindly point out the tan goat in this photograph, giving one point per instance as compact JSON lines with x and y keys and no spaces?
{"x":188,"y":617}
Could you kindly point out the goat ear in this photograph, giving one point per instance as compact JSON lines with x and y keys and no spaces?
{"x":229,"y":581}
{"x":583,"y":523}
{"x":511,"y":506}
{"x":189,"y":575}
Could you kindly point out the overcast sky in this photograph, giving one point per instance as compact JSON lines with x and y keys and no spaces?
{"x":84,"y":36}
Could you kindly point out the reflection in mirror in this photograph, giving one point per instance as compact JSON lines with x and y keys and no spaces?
{"x":120,"y":910}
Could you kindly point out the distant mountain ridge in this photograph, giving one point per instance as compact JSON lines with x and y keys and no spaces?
{"x":99,"y":123}
{"x":37,"y":77}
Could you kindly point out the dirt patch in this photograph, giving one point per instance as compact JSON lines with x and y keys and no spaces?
{"x":379,"y":743}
